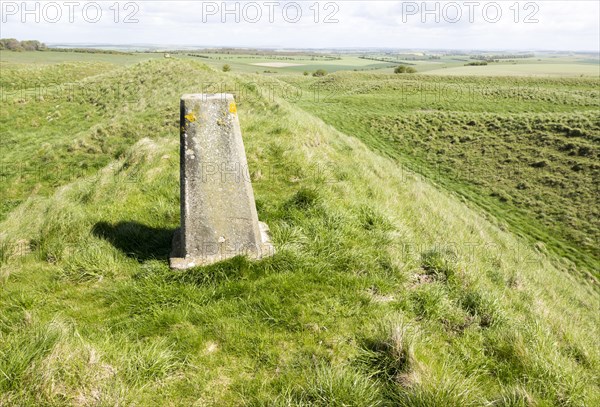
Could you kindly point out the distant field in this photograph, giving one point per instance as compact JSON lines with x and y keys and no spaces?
{"x":540,"y":65}
{"x":560,"y":70}
{"x":271,"y":62}
{"x":298,"y":63}
{"x":55,"y":57}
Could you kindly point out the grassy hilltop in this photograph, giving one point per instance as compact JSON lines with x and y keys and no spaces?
{"x":386,"y":288}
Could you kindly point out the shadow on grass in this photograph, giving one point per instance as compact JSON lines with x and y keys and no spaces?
{"x":144,"y":243}
{"x":231,"y":269}
{"x":238,"y":268}
{"x":136,"y":240}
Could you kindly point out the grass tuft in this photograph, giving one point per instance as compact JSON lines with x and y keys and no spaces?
{"x":304,"y":199}
{"x":388,"y":352}
{"x":442,"y":264}
{"x":445,"y":392}
{"x":19,"y":356}
{"x":334,"y":386}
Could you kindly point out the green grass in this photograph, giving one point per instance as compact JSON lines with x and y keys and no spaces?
{"x":55,"y":130}
{"x":523,"y":149}
{"x":246,"y":63}
{"x":542,"y":64}
{"x":57,"y":57}
{"x":556,"y":70}
{"x":385,"y":290}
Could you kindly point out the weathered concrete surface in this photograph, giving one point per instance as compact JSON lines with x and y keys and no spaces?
{"x":218,"y":212}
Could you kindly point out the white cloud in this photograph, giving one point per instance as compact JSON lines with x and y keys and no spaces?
{"x":572,"y":25}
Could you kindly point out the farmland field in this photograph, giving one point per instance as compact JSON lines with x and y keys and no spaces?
{"x":435,"y":236}
{"x":542,"y":65}
{"x":300,"y":63}
{"x":56,"y":57}
{"x":558,"y":70}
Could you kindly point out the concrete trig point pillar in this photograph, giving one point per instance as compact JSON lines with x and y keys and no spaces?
{"x":218,"y":212}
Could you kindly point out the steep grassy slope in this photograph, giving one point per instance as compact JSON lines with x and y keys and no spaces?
{"x":384,"y":290}
{"x":523,"y":149}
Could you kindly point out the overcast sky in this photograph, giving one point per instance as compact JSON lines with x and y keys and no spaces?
{"x":522,"y":25}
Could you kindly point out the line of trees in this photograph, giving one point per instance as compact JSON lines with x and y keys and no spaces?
{"x":13,"y":44}
{"x":503,"y":56}
{"x":382,"y":59}
{"x":91,"y":51}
